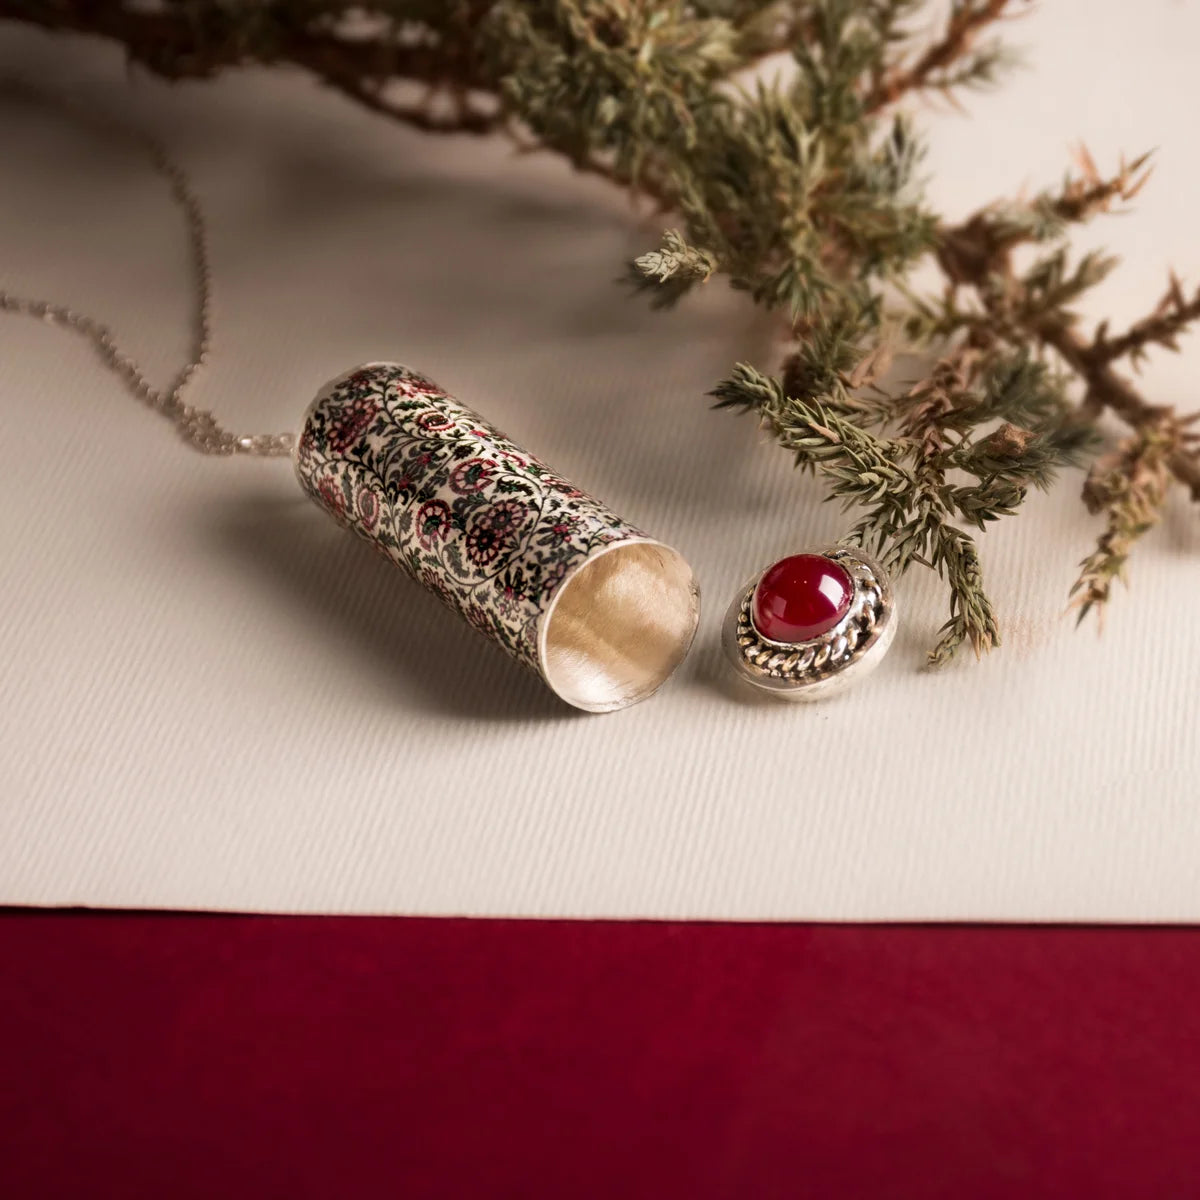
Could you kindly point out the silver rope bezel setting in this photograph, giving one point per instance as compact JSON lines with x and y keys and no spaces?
{"x":823,"y":665}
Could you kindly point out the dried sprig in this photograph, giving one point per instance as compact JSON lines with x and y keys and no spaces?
{"x":912,"y":513}
{"x":1130,"y":488}
{"x":804,"y":192}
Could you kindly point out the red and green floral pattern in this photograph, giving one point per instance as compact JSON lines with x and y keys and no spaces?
{"x":475,"y":519}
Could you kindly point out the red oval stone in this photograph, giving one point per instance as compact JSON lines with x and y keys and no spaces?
{"x":800,"y":598}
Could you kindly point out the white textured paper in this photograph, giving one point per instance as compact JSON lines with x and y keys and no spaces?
{"x":213,"y":698}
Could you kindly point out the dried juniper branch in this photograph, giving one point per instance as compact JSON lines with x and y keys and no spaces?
{"x":803,"y":192}
{"x":1130,"y":488}
{"x":950,"y":62}
{"x":1171,"y":317}
{"x":1033,"y":308}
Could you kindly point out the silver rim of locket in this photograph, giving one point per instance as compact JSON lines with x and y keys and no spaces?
{"x":824,"y":665}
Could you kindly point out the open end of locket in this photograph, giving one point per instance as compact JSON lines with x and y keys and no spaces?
{"x":619,"y":626}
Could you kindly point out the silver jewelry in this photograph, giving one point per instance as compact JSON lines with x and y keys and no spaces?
{"x":808,"y":626}
{"x":601,"y":611}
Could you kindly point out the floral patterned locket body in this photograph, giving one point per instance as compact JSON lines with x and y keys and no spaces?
{"x":487,"y":527}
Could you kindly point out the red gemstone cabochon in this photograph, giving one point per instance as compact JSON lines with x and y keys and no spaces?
{"x":800,"y":598}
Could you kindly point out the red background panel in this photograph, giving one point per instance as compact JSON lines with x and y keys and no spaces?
{"x":174,"y":1056}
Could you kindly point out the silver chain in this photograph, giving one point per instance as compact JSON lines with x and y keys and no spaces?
{"x":198,"y":427}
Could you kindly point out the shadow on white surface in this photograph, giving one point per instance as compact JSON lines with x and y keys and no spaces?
{"x":398,"y":633}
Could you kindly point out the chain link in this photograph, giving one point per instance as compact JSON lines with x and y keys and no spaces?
{"x":198,"y":427}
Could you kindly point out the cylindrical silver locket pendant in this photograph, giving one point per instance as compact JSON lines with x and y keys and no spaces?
{"x":603,"y":612}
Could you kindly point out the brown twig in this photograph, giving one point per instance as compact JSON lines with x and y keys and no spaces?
{"x":957,"y":40}
{"x":168,"y":43}
{"x":1105,"y":388}
{"x":978,"y":254}
{"x":1161,"y":328}
{"x":1092,"y":193}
